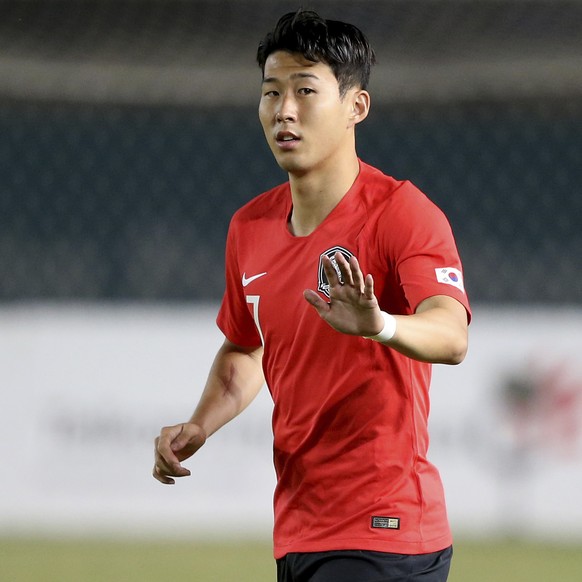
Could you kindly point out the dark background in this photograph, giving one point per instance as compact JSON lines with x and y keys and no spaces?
{"x":129,"y":136}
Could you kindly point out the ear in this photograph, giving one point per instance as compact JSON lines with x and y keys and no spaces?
{"x":360,"y":103}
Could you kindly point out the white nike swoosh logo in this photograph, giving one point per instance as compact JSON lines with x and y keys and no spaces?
{"x":246,"y":281}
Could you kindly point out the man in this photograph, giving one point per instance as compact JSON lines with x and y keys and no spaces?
{"x":342,"y":287}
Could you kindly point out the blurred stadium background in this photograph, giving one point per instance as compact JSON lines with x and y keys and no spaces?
{"x":129,"y":136}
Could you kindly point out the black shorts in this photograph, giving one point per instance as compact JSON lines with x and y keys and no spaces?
{"x":364,"y":566}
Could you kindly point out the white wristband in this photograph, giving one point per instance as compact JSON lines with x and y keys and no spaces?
{"x":388,"y":330}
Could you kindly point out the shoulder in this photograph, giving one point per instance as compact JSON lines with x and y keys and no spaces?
{"x":401,"y":218}
{"x":377,"y":187}
{"x":386,"y":194}
{"x":267,"y":205}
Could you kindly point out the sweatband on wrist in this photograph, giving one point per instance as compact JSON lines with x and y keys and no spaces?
{"x":388,"y":330}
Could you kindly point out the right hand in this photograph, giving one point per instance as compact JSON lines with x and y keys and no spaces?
{"x":174,"y":445}
{"x":353,"y":307}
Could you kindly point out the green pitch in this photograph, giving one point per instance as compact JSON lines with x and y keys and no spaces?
{"x":122,"y":561}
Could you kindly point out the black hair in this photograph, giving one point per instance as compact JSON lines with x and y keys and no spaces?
{"x":342,"y":46}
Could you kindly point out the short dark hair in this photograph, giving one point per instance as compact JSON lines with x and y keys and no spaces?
{"x":340,"y":45}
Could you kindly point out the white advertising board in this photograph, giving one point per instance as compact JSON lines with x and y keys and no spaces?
{"x":85,"y":389}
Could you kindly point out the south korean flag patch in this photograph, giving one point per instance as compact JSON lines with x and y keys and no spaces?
{"x":450,"y":276}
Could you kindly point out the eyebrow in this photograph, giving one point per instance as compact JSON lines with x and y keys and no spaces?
{"x":293,"y":76}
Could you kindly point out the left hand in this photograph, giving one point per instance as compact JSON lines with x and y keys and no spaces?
{"x":174,"y":445}
{"x":353,"y":308}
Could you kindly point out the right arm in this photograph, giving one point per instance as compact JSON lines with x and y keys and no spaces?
{"x":235,"y":378}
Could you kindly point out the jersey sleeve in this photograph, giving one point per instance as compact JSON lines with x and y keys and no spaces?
{"x":234,"y":317}
{"x":424,"y":251}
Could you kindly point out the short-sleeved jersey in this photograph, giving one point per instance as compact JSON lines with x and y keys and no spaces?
{"x":350,"y":415}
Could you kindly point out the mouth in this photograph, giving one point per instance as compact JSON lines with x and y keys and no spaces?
{"x":287,"y":139}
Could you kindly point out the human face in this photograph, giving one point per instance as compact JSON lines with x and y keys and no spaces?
{"x":307,"y":124}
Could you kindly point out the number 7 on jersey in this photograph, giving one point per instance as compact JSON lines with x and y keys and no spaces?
{"x":254,"y":301}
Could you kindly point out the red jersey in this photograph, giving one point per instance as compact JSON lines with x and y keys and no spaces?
{"x":350,"y":415}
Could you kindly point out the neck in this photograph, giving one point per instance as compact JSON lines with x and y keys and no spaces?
{"x":315,"y":194}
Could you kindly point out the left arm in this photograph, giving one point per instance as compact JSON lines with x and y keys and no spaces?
{"x":436,"y":332}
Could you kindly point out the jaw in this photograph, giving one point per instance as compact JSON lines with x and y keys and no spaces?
{"x":291,"y":159}
{"x":291,"y":162}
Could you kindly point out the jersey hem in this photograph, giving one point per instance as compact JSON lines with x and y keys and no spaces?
{"x":364,"y":544}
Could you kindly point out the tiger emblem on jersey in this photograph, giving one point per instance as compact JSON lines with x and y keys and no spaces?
{"x":322,"y":282}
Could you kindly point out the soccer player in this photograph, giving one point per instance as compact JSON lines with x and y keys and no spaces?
{"x":343,"y":286}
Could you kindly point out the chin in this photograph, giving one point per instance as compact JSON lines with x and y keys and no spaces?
{"x":292,"y":166}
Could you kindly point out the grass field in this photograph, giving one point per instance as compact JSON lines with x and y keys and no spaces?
{"x":109,"y":561}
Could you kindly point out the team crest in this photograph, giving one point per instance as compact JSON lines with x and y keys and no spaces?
{"x":322,"y":282}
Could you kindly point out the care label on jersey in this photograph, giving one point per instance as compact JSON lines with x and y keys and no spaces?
{"x":380,"y":522}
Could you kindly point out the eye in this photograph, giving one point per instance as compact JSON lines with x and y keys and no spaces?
{"x":271,"y":93}
{"x":306,"y":91}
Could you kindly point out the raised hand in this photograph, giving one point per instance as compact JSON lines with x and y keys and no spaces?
{"x":353,"y":308}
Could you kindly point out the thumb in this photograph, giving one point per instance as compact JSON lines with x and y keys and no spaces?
{"x":316,"y":301}
{"x":190,"y":436}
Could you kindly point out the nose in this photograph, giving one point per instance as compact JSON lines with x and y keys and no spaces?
{"x":287,"y":111}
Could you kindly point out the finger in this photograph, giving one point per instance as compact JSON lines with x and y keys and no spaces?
{"x":189,"y":441}
{"x":166,"y":462}
{"x":161,"y":470}
{"x":314,"y":299}
{"x":344,"y":268}
{"x":162,"y":478}
{"x":164,"y":472}
{"x":172,"y":470}
{"x":356,"y":274}
{"x":330,"y":272}
{"x":163,"y":447}
{"x":369,"y":286}
{"x":190,"y":435}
